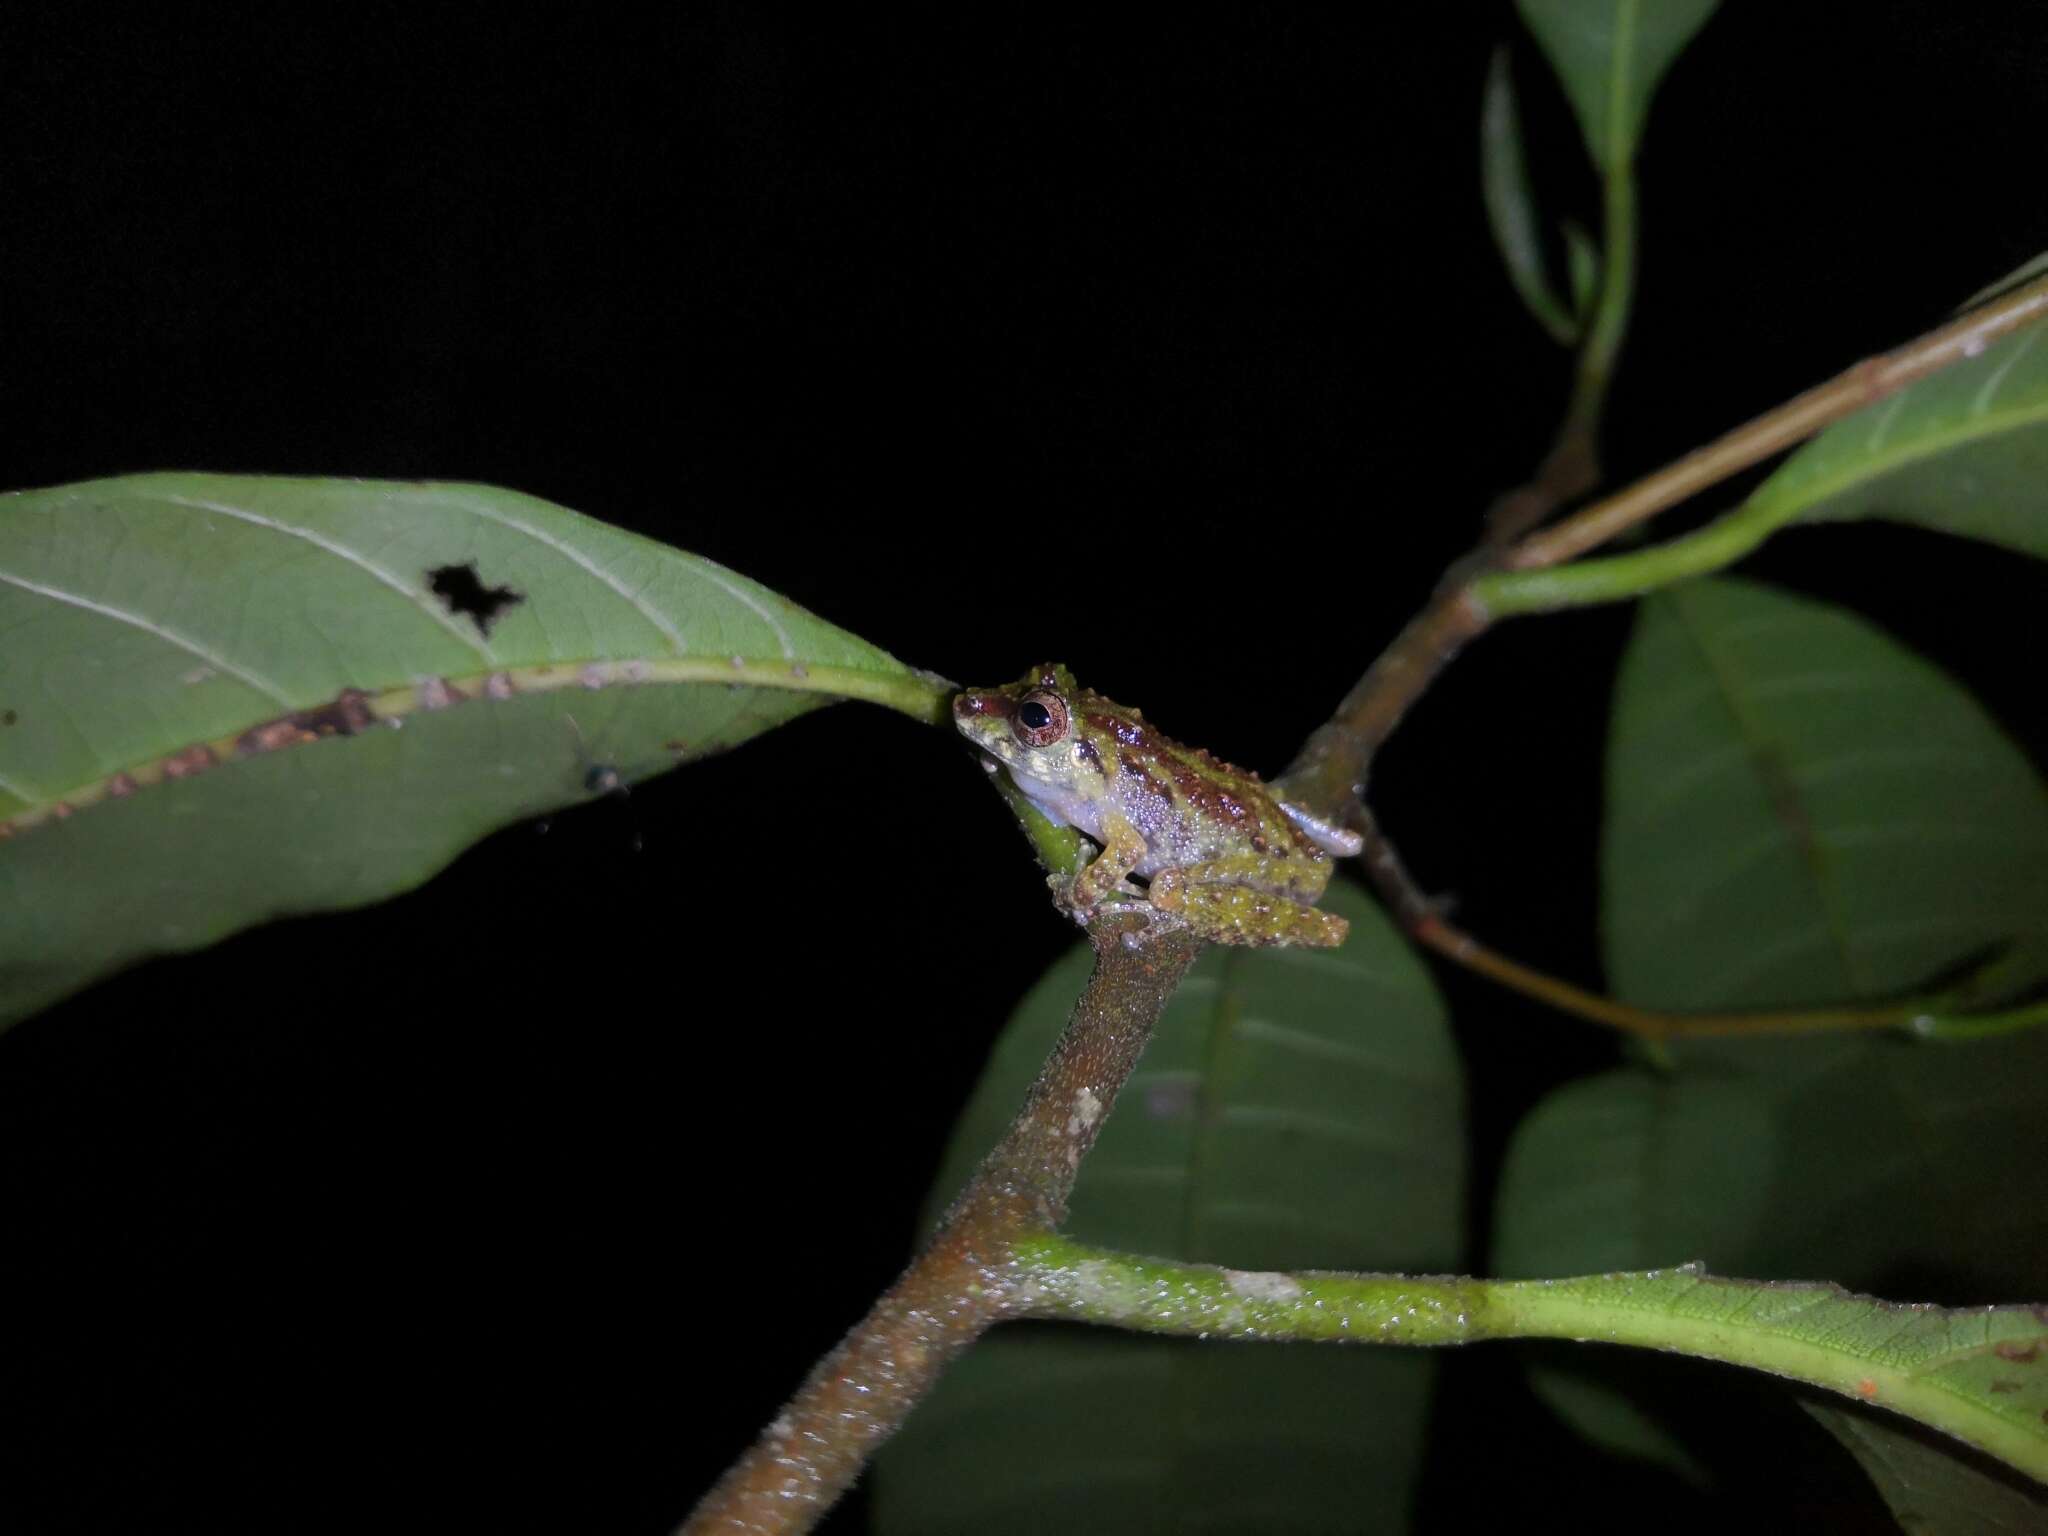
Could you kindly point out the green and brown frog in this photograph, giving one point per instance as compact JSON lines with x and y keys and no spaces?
{"x":1223,"y":855}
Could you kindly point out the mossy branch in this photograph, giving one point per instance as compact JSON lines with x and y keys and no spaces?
{"x":968,"y":1277}
{"x":1965,"y":1372}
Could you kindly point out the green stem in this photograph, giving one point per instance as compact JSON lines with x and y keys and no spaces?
{"x":1505,"y":593}
{"x":1080,"y":1283}
{"x":1976,"y":1026}
{"x":1611,"y":310}
{"x":1797,"y":1331}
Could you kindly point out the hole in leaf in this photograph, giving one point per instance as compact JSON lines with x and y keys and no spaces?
{"x":464,"y":592}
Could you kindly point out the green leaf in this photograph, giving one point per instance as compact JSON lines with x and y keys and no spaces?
{"x":1933,"y":1488}
{"x":226,"y":699}
{"x":1964,"y":450}
{"x":1296,"y":1107}
{"x":1889,"y":1165}
{"x":1800,"y":811}
{"x":1978,"y":1373}
{"x":1511,"y":203}
{"x":1611,"y":55}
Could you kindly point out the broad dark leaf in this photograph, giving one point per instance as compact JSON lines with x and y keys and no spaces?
{"x":1800,"y":811}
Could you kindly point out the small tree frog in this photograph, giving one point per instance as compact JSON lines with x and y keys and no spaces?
{"x":1222,"y":854}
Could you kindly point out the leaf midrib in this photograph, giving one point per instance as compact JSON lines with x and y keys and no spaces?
{"x":1756,"y":739}
{"x":398,"y":703}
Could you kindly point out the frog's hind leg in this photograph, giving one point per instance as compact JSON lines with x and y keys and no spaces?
{"x":1224,"y":911}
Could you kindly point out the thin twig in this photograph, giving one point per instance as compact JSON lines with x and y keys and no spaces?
{"x":967,"y":1279}
{"x":1422,"y":918}
{"x":1792,"y":423}
{"x":1329,"y":774}
{"x":1332,"y":767}
{"x":1652,"y":1023}
{"x":1569,"y":470}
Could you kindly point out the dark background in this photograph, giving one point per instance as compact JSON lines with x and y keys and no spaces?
{"x":1173,"y":348}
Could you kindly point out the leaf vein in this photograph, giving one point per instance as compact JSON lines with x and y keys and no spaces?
{"x":1304,"y":1042}
{"x":184,"y":643}
{"x":590,"y":567}
{"x":1982,"y":403}
{"x":341,"y":551}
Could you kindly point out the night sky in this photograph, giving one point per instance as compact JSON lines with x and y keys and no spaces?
{"x":1173,"y":348}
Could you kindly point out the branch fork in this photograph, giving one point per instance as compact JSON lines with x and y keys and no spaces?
{"x":996,"y":1255}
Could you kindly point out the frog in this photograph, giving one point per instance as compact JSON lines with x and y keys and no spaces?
{"x":1222,"y":854}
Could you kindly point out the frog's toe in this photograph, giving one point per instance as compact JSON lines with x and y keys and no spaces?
{"x":1299,"y":926}
{"x":1328,"y":931}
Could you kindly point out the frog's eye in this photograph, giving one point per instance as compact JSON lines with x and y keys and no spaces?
{"x":1041,"y":719}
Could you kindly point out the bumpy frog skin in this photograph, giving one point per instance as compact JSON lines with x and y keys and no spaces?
{"x":1223,"y":856}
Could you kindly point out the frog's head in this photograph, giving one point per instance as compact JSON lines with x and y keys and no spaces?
{"x":1032,"y":727}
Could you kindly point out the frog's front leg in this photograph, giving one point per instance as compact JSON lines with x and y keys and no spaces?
{"x":1122,"y":847}
{"x":1250,"y":900}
